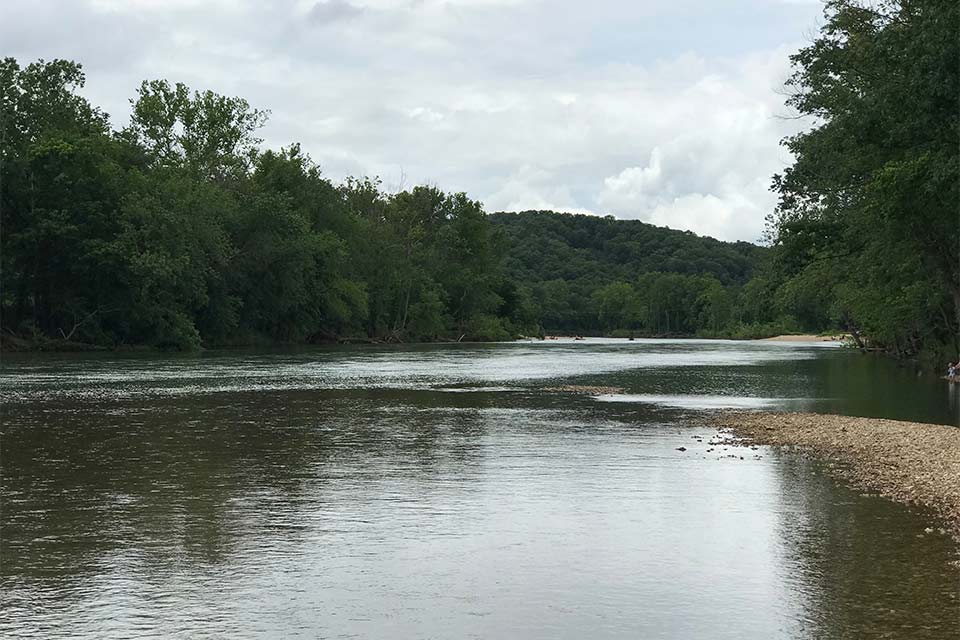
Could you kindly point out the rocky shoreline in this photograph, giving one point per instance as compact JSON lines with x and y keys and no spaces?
{"x":908,"y":462}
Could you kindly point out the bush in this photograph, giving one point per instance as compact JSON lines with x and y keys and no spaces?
{"x":486,"y":328}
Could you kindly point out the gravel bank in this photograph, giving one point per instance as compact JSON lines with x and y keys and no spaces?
{"x":909,"y":462}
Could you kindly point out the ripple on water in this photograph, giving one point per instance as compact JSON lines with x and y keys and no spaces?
{"x":478,"y":366}
{"x":222,"y":496}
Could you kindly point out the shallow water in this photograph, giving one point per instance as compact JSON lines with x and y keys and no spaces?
{"x":440,"y":491}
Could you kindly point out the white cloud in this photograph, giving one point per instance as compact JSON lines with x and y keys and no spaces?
{"x":657,"y":110}
{"x":634,"y":186}
{"x":531,"y":188}
{"x":716,"y":150}
{"x":695,"y":212}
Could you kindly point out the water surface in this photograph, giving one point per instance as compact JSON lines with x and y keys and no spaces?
{"x":441,"y":491}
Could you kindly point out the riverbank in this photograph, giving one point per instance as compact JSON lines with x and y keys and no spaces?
{"x":807,"y":337}
{"x":15,"y":344}
{"x":908,"y":462}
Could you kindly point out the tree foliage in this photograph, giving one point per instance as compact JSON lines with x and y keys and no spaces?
{"x":868,"y":224}
{"x":179,"y":231}
{"x":587,"y":274}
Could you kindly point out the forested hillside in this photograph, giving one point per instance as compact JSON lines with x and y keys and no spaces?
{"x":866,"y":236}
{"x":599,"y":274}
{"x":545,"y":245}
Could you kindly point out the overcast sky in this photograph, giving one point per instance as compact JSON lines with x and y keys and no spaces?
{"x":669,"y":111}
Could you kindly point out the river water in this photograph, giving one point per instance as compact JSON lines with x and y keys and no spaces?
{"x":445,"y":492}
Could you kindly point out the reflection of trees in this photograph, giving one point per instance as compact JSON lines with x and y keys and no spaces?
{"x":874,"y":385}
{"x":859,"y":564}
{"x":200,"y":481}
{"x":188,"y":480}
{"x":953,"y":399}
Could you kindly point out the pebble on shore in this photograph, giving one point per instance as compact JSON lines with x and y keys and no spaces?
{"x":909,"y":462}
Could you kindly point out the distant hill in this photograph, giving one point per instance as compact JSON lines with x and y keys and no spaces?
{"x":546,"y":245}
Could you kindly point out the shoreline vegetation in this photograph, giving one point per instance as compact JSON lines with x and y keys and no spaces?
{"x":911,"y":463}
{"x":10,"y":343}
{"x":807,"y":337}
{"x":180,"y":230}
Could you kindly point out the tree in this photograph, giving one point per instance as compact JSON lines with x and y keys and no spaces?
{"x":62,"y":178}
{"x":616,"y":305}
{"x":209,"y":135}
{"x":874,"y":188}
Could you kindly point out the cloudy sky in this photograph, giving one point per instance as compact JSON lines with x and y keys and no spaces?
{"x":669,"y":111}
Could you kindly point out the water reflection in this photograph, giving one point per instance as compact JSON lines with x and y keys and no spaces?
{"x":368,"y":368}
{"x":331,"y":506}
{"x":878,"y":589}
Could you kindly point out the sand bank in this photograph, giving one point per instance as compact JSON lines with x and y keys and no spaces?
{"x":807,"y":337}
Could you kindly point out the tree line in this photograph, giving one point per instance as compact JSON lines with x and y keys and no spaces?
{"x":598,"y":275}
{"x":179,"y":230}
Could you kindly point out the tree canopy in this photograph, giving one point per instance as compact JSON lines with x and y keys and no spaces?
{"x":869,"y":212}
{"x":180,"y":230}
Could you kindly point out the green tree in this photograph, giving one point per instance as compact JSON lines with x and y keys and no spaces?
{"x":211,"y":136}
{"x":617,"y":306}
{"x":63,"y":176}
{"x":874,"y":188}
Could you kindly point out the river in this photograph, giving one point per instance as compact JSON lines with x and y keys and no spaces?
{"x":444,"y":491}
